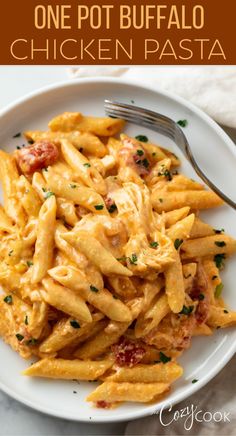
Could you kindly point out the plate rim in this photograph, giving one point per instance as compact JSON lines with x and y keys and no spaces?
{"x":148,"y":410}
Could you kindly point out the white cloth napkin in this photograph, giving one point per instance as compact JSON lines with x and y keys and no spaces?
{"x":212,"y":88}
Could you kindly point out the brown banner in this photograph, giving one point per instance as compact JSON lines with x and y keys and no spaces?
{"x":121,"y":32}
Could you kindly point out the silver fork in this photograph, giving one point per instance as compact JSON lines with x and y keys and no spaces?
{"x":167,"y":127}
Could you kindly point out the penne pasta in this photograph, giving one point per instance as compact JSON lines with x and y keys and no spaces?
{"x":220,"y":317}
{"x":97,"y":254}
{"x":192,"y":199}
{"x":66,"y":211}
{"x":65,"y":300}
{"x":201,"y":229}
{"x":73,"y":254}
{"x":181,"y":229}
{"x":175,"y":289}
{"x":66,"y":331}
{"x":103,"y":340}
{"x":43,"y":255}
{"x":157,"y":373}
{"x":9,"y":176}
{"x":76,"y":193}
{"x":68,"y":369}
{"x":182,"y":183}
{"x":102,"y":299}
{"x":112,"y":392}
{"x":82,"y":166}
{"x":28,"y":197}
{"x":202,"y":330}
{"x":157,"y":311}
{"x":6,"y":224}
{"x":76,"y":121}
{"x":208,"y":246}
{"x":173,"y":216}
{"x":38,"y":319}
{"x":39,"y":185}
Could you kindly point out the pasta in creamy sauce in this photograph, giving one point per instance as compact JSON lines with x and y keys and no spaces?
{"x":106,"y":267}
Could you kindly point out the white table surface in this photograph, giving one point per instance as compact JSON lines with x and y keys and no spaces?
{"x":16,"y":419}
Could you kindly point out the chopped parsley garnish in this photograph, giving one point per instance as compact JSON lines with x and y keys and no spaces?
{"x":218,"y":290}
{"x":187,"y":277}
{"x":219,"y":260}
{"x":226,"y":311}
{"x":140,"y":152}
{"x":88,"y":165}
{"x":99,"y":206}
{"x":30,"y":141}
{"x":133,"y":259}
{"x":177,"y":243}
{"x":26,"y":320}
{"x":195,"y":380}
{"x":18,"y":147}
{"x":141,"y":138}
{"x":31,"y":341}
{"x":10,"y":253}
{"x":201,"y":296}
{"x":214,"y":277}
{"x":112,"y":208}
{"x":93,"y":288}
{"x":153,"y":154}
{"x":164,"y":358}
{"x":144,"y":162}
{"x":8,"y":299}
{"x":19,"y":337}
{"x":29,"y":263}
{"x":48,"y":194}
{"x":154,"y":244}
{"x":121,"y":259}
{"x":17,"y":135}
{"x":219,"y":231}
{"x":45,"y":169}
{"x":75,"y":324}
{"x":161,"y":200}
{"x":132,"y":101}
{"x":182,"y":123}
{"x":44,"y":189}
{"x":220,"y":243}
{"x":72,"y":186}
{"x":166,"y":173}
{"x":186,"y":310}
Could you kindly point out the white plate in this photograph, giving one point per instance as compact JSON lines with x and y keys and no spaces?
{"x":214,"y":151}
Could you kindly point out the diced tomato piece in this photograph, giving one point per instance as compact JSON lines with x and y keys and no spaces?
{"x":127,"y":352}
{"x":103,"y":404}
{"x":202,"y":311}
{"x":37,"y":156}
